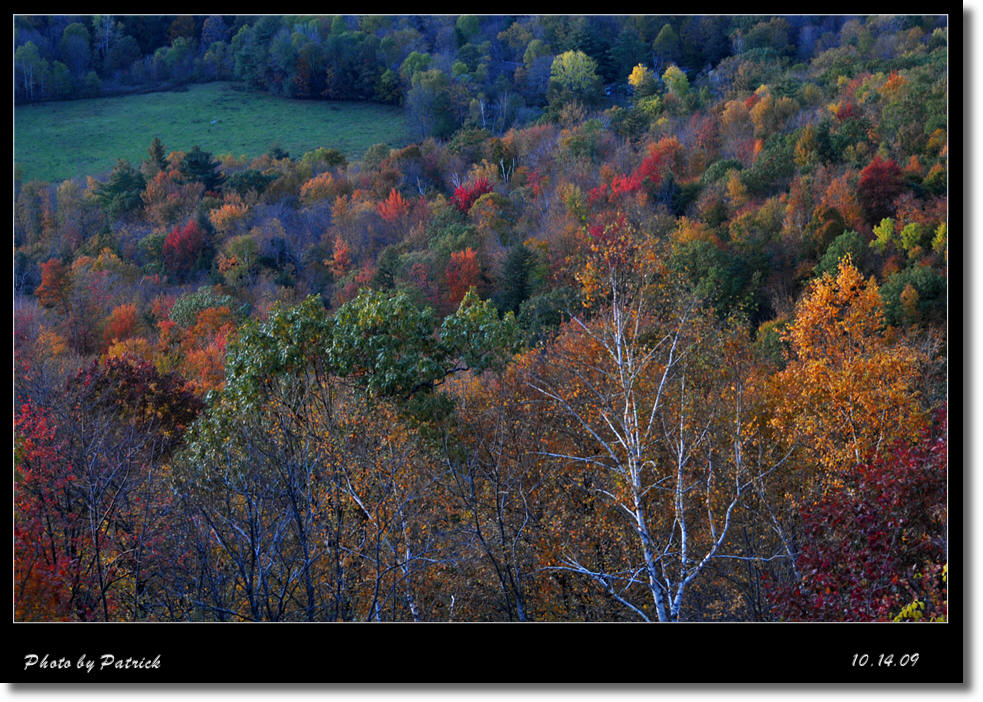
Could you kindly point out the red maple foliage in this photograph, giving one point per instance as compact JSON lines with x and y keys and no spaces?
{"x":651,"y":170}
{"x":88,"y":497}
{"x":877,"y":543}
{"x":462,"y":273}
{"x":465,"y":195}
{"x":182,"y":246}
{"x":880,"y":183}
{"x":120,"y":323}
{"x":48,"y":530}
{"x":847,"y":111}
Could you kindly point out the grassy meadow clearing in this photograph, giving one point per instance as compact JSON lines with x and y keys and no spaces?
{"x":59,"y":140}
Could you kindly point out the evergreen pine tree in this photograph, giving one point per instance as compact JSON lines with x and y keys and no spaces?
{"x":666,"y":45}
{"x":198,"y":166}
{"x":156,"y":160}
{"x":515,"y":279}
{"x":122,"y":193}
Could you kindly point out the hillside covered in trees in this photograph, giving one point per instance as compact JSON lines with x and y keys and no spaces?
{"x":649,"y":323}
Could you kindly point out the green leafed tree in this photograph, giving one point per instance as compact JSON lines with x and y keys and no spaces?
{"x":430,"y":104}
{"x":31,"y":70}
{"x":396,"y":349}
{"x":666,"y":44}
{"x":302,"y":500}
{"x":676,"y":81}
{"x":75,"y":48}
{"x":573,"y":76}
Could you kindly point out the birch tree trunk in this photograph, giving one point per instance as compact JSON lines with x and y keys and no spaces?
{"x":658,"y":392}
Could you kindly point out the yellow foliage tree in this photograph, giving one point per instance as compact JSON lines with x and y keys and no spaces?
{"x":319,"y":188}
{"x":849,"y":389}
{"x":134,"y":346}
{"x":642,"y":80}
{"x":224,"y":218}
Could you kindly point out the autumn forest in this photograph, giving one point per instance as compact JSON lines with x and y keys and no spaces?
{"x":645,"y":319}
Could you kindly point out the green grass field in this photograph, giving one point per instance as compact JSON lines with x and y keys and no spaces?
{"x":58,"y":140}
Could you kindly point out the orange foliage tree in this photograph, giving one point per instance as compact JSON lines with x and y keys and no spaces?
{"x":54,"y":287}
{"x":167,"y":199}
{"x":463,"y":273}
{"x":232,"y":211}
{"x":849,"y":389}
{"x":394,"y":207}
{"x":120,"y":324}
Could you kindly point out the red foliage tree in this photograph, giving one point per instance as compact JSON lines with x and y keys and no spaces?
{"x":90,"y":496}
{"x":876,"y":543}
{"x":625,"y":184}
{"x":847,"y":111}
{"x":465,"y":195}
{"x":463,"y":273}
{"x":120,"y":324}
{"x":48,"y":530}
{"x":880,"y":183}
{"x":182,"y":247}
{"x":659,"y":160}
{"x":707,"y":131}
{"x":137,"y":394}
{"x":650,"y":171}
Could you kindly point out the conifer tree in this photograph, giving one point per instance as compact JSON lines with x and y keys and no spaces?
{"x":198,"y":166}
{"x":515,"y":279}
{"x":121,"y":193}
{"x":156,"y":160}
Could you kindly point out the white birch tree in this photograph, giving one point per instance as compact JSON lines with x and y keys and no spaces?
{"x":661,"y":393}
